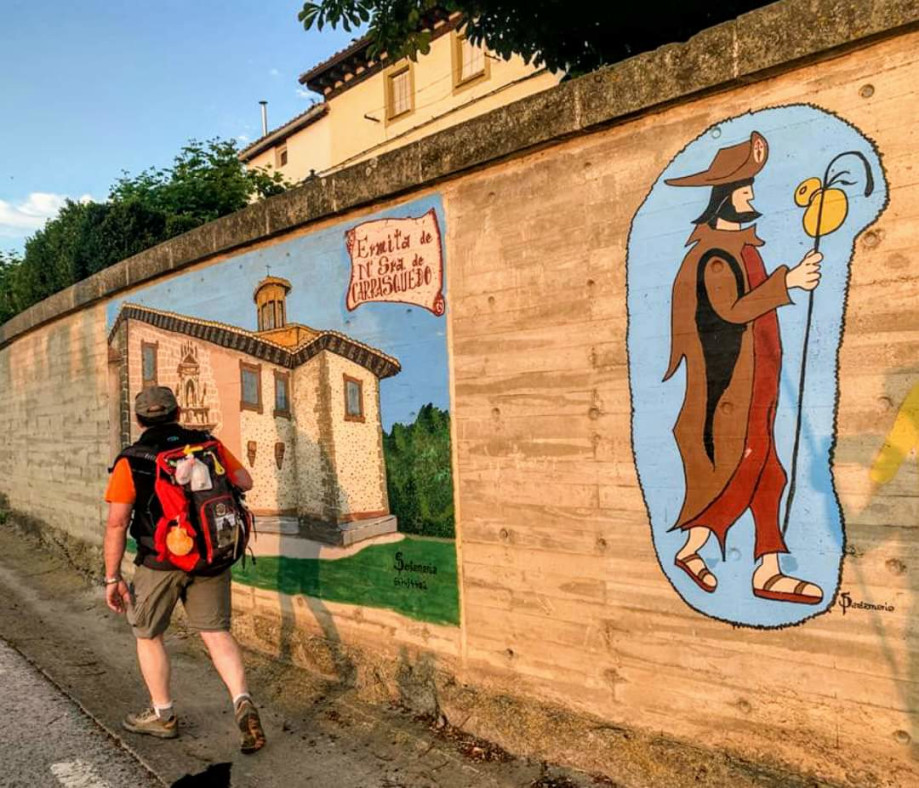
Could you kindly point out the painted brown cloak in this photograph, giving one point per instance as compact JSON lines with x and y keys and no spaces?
{"x":712,"y":311}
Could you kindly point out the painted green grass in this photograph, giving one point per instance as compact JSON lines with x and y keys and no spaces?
{"x":371,"y":577}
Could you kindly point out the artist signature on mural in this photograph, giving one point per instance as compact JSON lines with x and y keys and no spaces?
{"x":411,"y":570}
{"x":845,"y":602}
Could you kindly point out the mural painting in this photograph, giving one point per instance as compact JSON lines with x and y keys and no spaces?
{"x":733,"y":340}
{"x":321,"y":363}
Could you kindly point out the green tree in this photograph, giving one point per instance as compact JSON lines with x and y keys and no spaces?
{"x":574,"y":36}
{"x":9,"y":270}
{"x":206,"y":181}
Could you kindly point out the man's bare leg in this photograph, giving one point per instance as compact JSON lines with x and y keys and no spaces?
{"x":228,"y":661}
{"x":154,"y":667}
{"x":769,"y":568}
{"x":695,"y":541}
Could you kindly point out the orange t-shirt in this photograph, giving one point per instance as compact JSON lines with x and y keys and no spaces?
{"x":121,"y":483}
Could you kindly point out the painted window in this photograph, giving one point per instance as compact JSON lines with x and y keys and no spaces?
{"x":282,"y":394}
{"x":354,"y":399}
{"x":250,"y":381}
{"x":281,"y":155}
{"x":399,"y":92}
{"x":149,"y":363}
{"x":268,"y":321}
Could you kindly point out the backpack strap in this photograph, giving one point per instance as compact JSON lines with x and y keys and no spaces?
{"x":135,"y":452}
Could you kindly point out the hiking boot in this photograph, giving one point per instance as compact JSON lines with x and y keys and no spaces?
{"x":251,"y":735}
{"x":150,"y":723}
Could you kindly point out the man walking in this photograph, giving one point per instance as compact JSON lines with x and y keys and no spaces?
{"x":159,"y":585}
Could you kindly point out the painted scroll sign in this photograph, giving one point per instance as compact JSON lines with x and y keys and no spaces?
{"x":738,"y":268}
{"x":397,"y":260}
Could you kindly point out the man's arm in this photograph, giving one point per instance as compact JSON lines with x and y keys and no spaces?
{"x":241,"y":478}
{"x":116,"y":534}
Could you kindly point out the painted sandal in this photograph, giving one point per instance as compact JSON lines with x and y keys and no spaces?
{"x":698,"y":579}
{"x":798,"y":596}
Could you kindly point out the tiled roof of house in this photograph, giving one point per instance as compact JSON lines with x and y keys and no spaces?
{"x":283,"y":131}
{"x":353,"y":64}
{"x":250,"y":343}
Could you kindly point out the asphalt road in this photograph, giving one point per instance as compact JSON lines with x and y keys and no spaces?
{"x":47,"y":740}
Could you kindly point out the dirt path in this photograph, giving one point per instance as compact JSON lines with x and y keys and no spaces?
{"x":317,"y":734}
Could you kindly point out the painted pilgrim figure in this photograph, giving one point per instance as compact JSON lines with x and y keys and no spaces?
{"x":725,"y":327}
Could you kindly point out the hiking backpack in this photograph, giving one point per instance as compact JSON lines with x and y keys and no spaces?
{"x":204,"y":523}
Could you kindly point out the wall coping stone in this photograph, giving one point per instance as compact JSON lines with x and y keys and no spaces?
{"x":753,"y":47}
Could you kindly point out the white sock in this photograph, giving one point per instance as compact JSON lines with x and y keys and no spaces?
{"x":239,"y":699}
{"x":164,"y":712}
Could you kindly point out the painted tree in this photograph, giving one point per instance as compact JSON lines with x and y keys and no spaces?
{"x":419,"y":475}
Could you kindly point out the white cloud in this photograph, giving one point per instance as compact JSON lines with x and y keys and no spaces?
{"x":24,"y":218}
{"x":304,"y":93}
{"x":242,"y":137}
{"x":274,"y":72}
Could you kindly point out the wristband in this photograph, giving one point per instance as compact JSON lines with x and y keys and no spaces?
{"x":110,"y":581}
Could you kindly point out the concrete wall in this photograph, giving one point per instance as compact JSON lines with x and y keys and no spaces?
{"x":564,"y":601}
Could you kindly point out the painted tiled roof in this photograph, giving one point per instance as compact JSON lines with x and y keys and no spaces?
{"x":272,"y":280}
{"x":250,"y":343}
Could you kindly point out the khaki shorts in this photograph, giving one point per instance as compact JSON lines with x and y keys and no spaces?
{"x":156,"y":591}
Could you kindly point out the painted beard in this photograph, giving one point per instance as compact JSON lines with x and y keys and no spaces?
{"x":730,"y":214}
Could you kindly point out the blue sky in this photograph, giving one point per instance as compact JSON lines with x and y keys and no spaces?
{"x":92,"y":88}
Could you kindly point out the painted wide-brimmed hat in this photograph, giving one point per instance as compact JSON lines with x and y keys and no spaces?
{"x":737,"y":163}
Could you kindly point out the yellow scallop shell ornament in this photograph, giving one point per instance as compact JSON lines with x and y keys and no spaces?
{"x":826,"y":209}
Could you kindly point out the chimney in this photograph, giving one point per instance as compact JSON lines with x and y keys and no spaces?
{"x":264,"y":117}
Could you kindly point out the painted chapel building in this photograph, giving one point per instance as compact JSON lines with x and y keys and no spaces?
{"x":300,"y":408}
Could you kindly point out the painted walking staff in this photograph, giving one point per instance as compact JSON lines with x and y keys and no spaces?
{"x":826,"y":209}
{"x":724,"y":325}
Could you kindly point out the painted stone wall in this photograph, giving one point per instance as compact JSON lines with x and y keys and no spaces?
{"x":359,"y":462}
{"x":313,"y":444}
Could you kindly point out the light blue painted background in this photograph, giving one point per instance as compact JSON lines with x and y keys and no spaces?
{"x":802,"y":141}
{"x":319,"y":269}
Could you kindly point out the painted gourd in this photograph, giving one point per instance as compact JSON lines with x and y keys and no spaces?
{"x":831,"y":215}
{"x":806,"y":191}
{"x":179,"y":542}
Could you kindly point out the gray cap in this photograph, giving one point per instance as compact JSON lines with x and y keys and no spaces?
{"x":155,"y":403}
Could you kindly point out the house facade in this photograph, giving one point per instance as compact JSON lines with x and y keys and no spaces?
{"x":299,"y":407}
{"x":371,"y":106}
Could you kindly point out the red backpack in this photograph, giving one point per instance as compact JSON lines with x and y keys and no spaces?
{"x":205,"y":523}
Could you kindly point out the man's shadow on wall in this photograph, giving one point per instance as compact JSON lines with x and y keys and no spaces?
{"x":300,"y":582}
